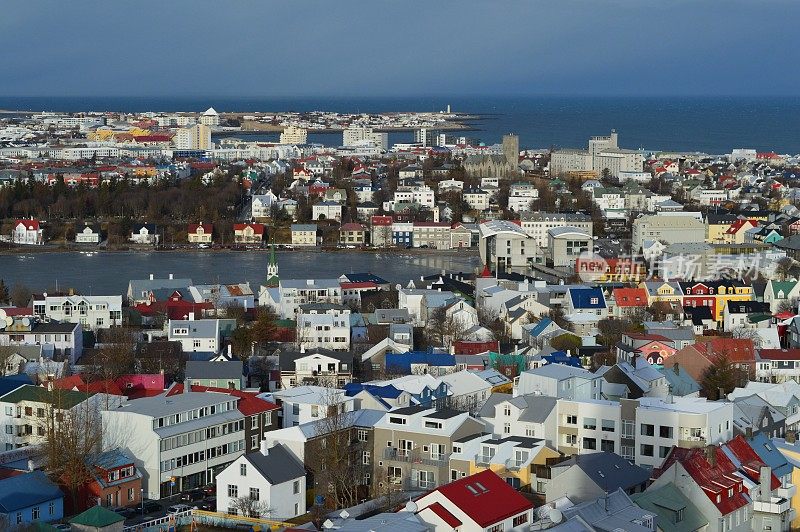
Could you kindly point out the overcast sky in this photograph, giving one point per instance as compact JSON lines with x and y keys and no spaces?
{"x":398,"y":47}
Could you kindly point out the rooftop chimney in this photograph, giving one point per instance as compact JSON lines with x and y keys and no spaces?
{"x":711,"y":455}
{"x":170,"y":276}
{"x":191,"y":316}
{"x":151,"y":276}
{"x":264,"y":448}
{"x":187,"y":385}
{"x":765,"y":479}
{"x":230,"y":350}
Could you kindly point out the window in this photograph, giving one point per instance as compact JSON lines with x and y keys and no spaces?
{"x":607,"y":446}
{"x":254,"y":494}
{"x":506,"y":410}
{"x":663,"y":451}
{"x":572,"y":420}
{"x":626,"y":451}
{"x":520,"y":519}
{"x":589,"y":423}
{"x":506,"y":428}
{"x":648,"y":430}
{"x":254,"y":441}
{"x":243,"y":470}
{"x":665,"y":432}
{"x":296,"y":487}
{"x":233,"y":491}
{"x":497,"y":528}
{"x":35,"y":513}
{"x":365,"y":458}
{"x":646,"y":449}
{"x":608,"y":425}
{"x":362,"y":435}
{"x":130,"y":494}
{"x":590,"y":443}
{"x":196,"y":344}
{"x":52,"y":508}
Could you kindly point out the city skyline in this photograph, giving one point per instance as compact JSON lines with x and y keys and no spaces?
{"x":615,"y":48}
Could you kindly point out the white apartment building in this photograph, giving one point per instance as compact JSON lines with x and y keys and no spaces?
{"x":521,"y":195}
{"x":303,"y":404}
{"x":477,"y":199}
{"x":618,"y":161}
{"x":287,"y":297}
{"x":683,"y":421}
{"x":178,"y":442}
{"x":361,"y":136}
{"x":563,"y":162}
{"x":421,"y":195}
{"x":670,"y":229}
{"x":196,"y":137}
{"x":92,"y":312}
{"x":210,"y":117}
{"x":261,"y":205}
{"x":505,"y":246}
{"x":324,"y":326}
{"x":559,"y":380}
{"x":536,"y":224}
{"x":588,"y":426}
{"x":294,"y":135}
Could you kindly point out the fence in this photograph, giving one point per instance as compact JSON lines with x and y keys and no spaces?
{"x":200,"y":517}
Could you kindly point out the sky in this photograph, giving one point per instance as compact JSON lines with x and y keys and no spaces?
{"x":347,"y":48}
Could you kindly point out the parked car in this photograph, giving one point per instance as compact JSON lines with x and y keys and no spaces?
{"x":176,"y":508}
{"x":124,"y":512}
{"x":149,"y":507}
{"x":209,"y":504}
{"x":66,"y":527}
{"x":192,"y":495}
{"x":210,"y":489}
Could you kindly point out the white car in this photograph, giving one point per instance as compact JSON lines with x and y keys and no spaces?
{"x":177,"y":508}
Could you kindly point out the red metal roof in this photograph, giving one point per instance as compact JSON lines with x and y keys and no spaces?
{"x":248,"y":404}
{"x":258,"y":229}
{"x":362,"y":284}
{"x":485,"y":497}
{"x":630,"y":297}
{"x":779,"y":354}
{"x":446,"y":516}
{"x":30,"y":225}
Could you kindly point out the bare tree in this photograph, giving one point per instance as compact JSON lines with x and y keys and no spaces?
{"x":72,"y":432}
{"x":251,"y":507}
{"x":20,"y":295}
{"x":340,"y":455}
{"x":745,"y":333}
{"x":443,"y":328}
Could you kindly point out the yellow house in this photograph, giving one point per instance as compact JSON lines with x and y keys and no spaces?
{"x":662,"y":291}
{"x":523,"y":462}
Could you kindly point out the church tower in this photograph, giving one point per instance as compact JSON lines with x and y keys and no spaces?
{"x":272,"y":267}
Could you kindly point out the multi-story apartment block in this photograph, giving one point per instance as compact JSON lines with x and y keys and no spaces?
{"x":27,"y":412}
{"x":304,"y":234}
{"x":537,"y":224}
{"x":305,"y":404}
{"x":531,"y":416}
{"x":294,"y":135}
{"x":434,"y":235}
{"x":505,"y":246}
{"x":588,"y":426}
{"x":324,"y":326}
{"x":56,"y":338}
{"x":286,"y":299}
{"x":660,"y":424}
{"x":179,"y":441}
{"x":316,"y":367}
{"x":421,"y":195}
{"x":521,"y":196}
{"x":92,"y":312}
{"x":669,"y":229}
{"x":522,"y":462}
{"x":413,"y":445}
{"x":402,"y":234}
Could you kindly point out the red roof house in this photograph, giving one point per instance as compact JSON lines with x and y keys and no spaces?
{"x":477,"y":502}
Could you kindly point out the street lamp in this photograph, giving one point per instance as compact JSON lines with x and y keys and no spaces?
{"x":141,"y":498}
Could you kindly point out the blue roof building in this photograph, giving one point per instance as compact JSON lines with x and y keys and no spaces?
{"x":12,"y":382}
{"x":587,"y":298}
{"x":560,"y":357}
{"x":420,"y":361}
{"x":30,"y":498}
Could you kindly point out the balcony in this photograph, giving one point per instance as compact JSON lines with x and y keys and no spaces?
{"x":416,"y":457}
{"x":776,"y":505}
{"x":788,"y":492}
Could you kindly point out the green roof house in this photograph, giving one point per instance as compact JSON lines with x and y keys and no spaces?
{"x":97,"y":519}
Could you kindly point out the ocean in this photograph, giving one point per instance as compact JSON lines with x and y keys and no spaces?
{"x":711,"y":125}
